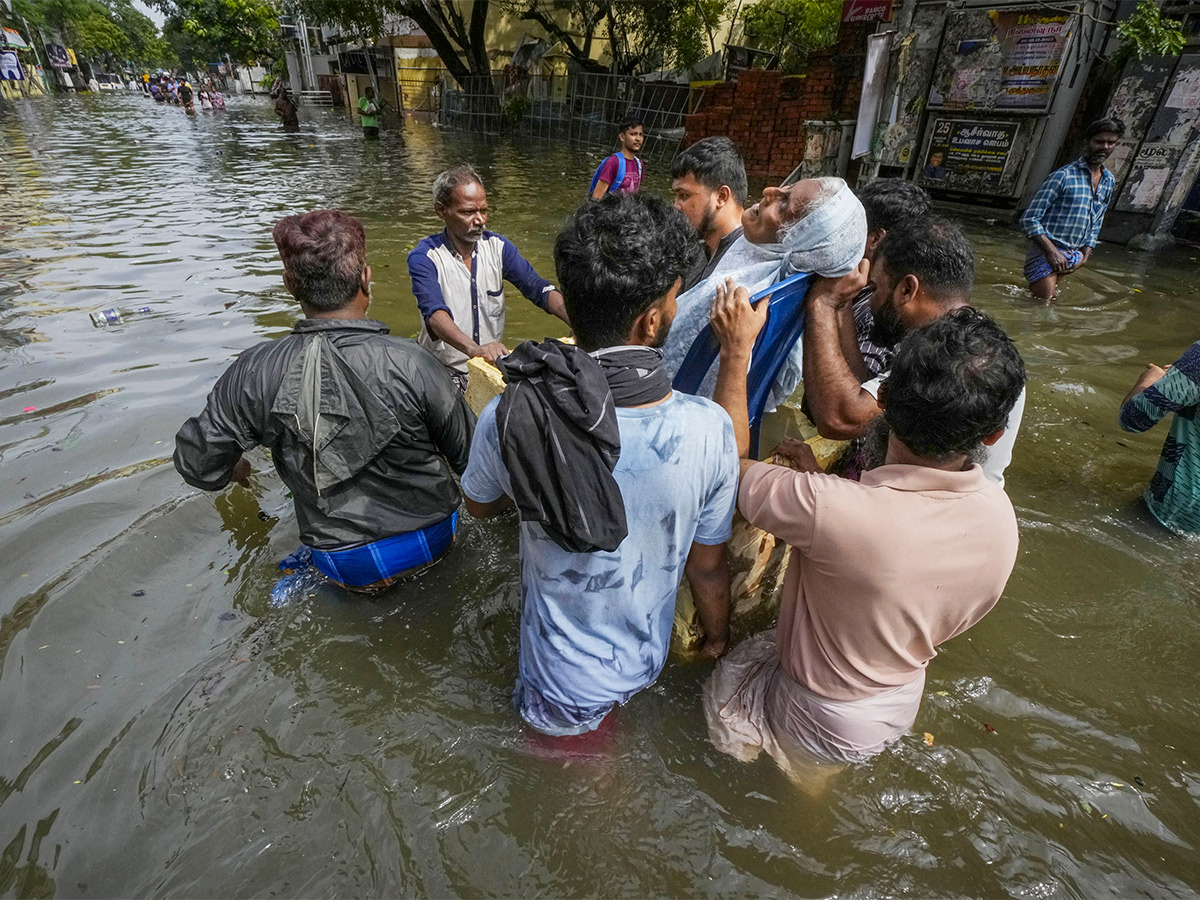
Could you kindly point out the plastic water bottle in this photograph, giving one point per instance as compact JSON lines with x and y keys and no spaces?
{"x":107,"y":317}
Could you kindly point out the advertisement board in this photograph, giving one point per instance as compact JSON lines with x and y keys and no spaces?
{"x":1031,"y":52}
{"x":867,"y":11}
{"x":1000,"y":59}
{"x":57,"y":54}
{"x":969,"y":155}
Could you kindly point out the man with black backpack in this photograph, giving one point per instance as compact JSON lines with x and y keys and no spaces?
{"x":622,"y":172}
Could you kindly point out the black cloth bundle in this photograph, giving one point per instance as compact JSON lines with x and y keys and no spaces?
{"x":559,"y":440}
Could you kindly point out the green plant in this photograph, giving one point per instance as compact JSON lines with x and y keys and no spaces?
{"x":1147,"y":33}
{"x":793,"y":29}
{"x":513,"y":110}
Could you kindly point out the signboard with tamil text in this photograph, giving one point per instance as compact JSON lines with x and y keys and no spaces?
{"x":969,"y":155}
{"x":1031,"y":51}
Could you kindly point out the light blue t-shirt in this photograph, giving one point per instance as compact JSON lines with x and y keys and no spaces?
{"x":596,"y":627}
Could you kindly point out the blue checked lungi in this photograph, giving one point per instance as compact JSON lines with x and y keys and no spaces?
{"x":378,"y":560}
{"x":1038,"y":267}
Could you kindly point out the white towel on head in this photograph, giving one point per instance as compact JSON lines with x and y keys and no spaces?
{"x":829,"y":240}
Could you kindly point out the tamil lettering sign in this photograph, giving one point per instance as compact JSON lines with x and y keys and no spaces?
{"x":866,"y":10}
{"x":1151,"y":170}
{"x":968,"y":155}
{"x":1031,"y":51}
{"x":999,"y":59}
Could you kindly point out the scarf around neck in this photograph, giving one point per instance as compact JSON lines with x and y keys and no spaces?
{"x":559,"y":440}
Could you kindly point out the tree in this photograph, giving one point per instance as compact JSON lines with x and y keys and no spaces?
{"x":458,"y":38}
{"x":110,"y":29}
{"x":793,"y":28}
{"x":207,"y":30}
{"x":1147,"y":33}
{"x":641,"y":34}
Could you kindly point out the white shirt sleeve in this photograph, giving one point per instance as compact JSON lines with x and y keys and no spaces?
{"x":997,"y":457}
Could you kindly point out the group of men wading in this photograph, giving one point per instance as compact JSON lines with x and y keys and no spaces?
{"x":623,"y":484}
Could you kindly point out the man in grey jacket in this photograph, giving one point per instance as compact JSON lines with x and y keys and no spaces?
{"x":364,"y":428}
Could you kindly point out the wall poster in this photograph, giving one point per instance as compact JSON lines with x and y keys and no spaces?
{"x":968,"y":155}
{"x":1031,"y":50}
{"x":1000,"y":59}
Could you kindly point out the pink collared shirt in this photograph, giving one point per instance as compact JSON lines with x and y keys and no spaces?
{"x":883,"y":570}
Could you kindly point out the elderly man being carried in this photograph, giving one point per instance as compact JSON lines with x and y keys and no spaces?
{"x":815,"y":225}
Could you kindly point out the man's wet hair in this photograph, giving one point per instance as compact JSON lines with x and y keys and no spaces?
{"x":952,"y":384}
{"x":616,"y":258}
{"x":324,"y":254}
{"x":630,"y":122}
{"x":1108,"y":123}
{"x":447,"y":181}
{"x":891,"y":202}
{"x":934,"y":250}
{"x":714,"y":161}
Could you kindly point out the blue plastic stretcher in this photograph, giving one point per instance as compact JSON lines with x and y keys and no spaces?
{"x":785,"y":325}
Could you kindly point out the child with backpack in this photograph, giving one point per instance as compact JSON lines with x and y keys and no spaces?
{"x":622,"y":171}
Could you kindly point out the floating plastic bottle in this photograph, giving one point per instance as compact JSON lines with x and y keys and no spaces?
{"x":107,"y":317}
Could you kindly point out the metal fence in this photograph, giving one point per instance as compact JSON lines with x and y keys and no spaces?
{"x":581,"y":107}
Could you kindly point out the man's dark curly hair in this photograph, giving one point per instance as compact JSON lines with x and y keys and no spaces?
{"x":934,"y":250}
{"x":952,"y":384}
{"x":615,"y":259}
{"x":891,"y":202}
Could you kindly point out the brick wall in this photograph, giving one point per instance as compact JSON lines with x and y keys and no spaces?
{"x":764,"y":112}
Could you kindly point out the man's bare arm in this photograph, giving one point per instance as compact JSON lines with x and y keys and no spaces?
{"x":441,"y":326}
{"x":736,"y":325}
{"x":707,"y":571}
{"x":848,"y":336}
{"x":840,"y":407}
{"x":556,"y":306}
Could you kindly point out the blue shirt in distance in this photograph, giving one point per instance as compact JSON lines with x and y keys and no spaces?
{"x":596,"y":627}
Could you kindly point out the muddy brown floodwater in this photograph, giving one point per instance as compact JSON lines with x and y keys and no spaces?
{"x":165,"y":732}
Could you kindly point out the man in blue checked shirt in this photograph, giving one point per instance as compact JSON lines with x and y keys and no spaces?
{"x":1063,"y":220}
{"x":458,"y":278}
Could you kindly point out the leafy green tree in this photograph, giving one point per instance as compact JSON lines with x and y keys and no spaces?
{"x":1147,"y":33}
{"x":207,"y":30}
{"x":112,"y":30}
{"x":792,"y":28}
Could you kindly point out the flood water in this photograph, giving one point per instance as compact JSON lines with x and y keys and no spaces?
{"x":165,"y":732}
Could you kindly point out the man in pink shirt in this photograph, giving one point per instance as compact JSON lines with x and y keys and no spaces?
{"x":883,"y":570}
{"x":622,"y":172}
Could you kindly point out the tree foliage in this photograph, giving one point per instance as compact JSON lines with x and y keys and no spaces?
{"x":1147,"y":33}
{"x":641,"y":35}
{"x":110,"y":29}
{"x":793,"y":28}
{"x":203,"y":31}
{"x":456,"y":30}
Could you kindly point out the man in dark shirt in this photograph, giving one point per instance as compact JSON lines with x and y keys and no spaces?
{"x":708,"y":180}
{"x":376,"y":499}
{"x":890,"y":203}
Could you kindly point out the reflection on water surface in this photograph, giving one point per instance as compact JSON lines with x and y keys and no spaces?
{"x":167,"y":733}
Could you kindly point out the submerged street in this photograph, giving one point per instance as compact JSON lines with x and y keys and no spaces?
{"x":167,"y":732}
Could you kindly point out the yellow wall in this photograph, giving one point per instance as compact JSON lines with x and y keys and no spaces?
{"x":505,"y":30}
